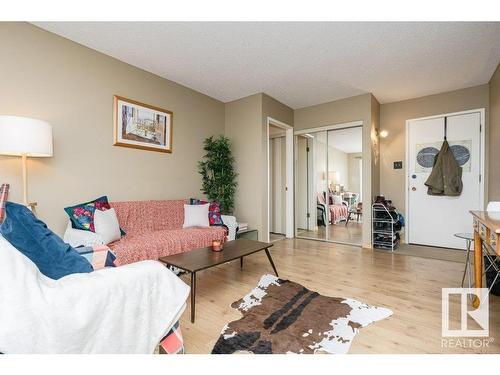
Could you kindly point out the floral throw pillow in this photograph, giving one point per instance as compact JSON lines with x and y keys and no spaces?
{"x":214,"y":215}
{"x":82,"y":215}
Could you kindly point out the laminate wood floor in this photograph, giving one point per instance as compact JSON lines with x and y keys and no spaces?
{"x":351,"y":234}
{"x":410,"y":286}
{"x":453,"y":255}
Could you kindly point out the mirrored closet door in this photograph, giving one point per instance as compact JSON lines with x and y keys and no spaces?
{"x":328,"y":185}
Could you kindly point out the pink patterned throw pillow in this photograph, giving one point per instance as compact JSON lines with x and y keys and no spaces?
{"x":82,"y":215}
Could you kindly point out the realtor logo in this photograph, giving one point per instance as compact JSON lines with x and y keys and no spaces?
{"x":479,"y":315}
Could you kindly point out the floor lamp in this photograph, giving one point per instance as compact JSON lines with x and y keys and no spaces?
{"x":25,"y":137}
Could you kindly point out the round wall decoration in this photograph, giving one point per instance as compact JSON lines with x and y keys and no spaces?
{"x":461,"y":154}
{"x":425,"y":157}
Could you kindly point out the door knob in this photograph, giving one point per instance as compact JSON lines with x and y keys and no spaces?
{"x":414,"y":189}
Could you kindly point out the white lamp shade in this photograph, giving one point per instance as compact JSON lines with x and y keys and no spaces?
{"x":23,"y":135}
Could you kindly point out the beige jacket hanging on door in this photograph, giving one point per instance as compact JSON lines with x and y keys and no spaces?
{"x":446,"y":175}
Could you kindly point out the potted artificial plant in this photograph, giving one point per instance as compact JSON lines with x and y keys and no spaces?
{"x":217,"y":172}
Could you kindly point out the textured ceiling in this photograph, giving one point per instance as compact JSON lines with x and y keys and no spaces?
{"x":298,"y":63}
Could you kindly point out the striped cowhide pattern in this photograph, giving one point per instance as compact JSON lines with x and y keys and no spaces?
{"x":280,"y":316}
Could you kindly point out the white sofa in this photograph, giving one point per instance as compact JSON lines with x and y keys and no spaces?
{"x":126,"y":309}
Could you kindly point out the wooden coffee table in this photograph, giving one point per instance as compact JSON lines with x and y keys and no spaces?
{"x":201,"y":259}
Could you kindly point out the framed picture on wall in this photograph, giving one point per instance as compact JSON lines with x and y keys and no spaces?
{"x":142,"y":126}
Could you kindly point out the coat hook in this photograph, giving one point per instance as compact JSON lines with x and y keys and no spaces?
{"x":445,"y":127}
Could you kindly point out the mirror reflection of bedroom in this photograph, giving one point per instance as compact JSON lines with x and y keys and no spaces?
{"x":329,"y":185}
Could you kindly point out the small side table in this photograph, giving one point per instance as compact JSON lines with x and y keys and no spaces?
{"x":468,"y":237}
{"x":249,"y":234}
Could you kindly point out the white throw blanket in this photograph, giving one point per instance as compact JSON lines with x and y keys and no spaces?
{"x":114,"y":310}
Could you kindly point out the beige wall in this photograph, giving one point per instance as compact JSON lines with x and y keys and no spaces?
{"x":494,"y":137}
{"x":278,"y":111}
{"x":353,"y":175}
{"x":331,"y":113}
{"x":393,"y":118}
{"x":246,"y":126}
{"x":51,"y":78}
{"x":243,"y":125}
{"x":338,"y":162}
{"x":357,"y":108}
{"x":375,"y":148}
{"x":320,"y":153}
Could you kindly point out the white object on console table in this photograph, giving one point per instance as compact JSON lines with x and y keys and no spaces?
{"x":242,"y":225}
{"x":230,"y":222}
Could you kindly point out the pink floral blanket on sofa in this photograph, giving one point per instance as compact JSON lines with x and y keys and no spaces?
{"x":154,"y":229}
{"x":337,"y":211}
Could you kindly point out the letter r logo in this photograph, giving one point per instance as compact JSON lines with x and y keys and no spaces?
{"x":479,"y":315}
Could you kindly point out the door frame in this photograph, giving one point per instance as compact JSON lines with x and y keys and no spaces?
{"x":313,"y":217}
{"x":289,"y":179}
{"x":343,"y":125}
{"x":482,"y":156}
{"x":277,"y":167}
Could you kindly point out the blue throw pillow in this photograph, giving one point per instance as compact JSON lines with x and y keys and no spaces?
{"x":53,"y":257}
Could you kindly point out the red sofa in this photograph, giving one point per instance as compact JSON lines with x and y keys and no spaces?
{"x":153,"y":230}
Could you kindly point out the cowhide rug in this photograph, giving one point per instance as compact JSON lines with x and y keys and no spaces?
{"x":280,"y":316}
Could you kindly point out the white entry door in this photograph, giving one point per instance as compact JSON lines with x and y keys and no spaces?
{"x":433,"y":220}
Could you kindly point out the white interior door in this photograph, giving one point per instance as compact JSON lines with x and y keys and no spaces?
{"x":272,"y":187}
{"x":277,"y":184}
{"x":433,"y":220}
